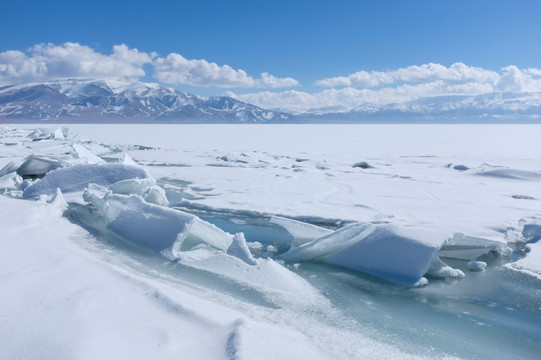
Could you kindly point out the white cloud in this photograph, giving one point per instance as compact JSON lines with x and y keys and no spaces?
{"x":71,"y":60}
{"x":456,"y":73}
{"x":270,"y":81}
{"x":49,"y":61}
{"x":366,"y":89}
{"x":375,"y":88}
{"x":176,"y":69}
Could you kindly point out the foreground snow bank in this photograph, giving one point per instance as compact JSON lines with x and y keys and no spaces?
{"x":64,"y":303}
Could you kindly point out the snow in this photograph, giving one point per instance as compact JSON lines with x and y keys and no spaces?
{"x":126,"y":236}
{"x":477,"y":265}
{"x":68,"y":304}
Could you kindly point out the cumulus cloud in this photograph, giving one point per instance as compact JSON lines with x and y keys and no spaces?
{"x":176,"y":69}
{"x":71,"y":60}
{"x":457,"y":73}
{"x":366,"y":89}
{"x":271,"y":81}
{"x":49,"y":61}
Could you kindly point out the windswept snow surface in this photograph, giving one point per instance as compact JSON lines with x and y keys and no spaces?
{"x":242,"y":242}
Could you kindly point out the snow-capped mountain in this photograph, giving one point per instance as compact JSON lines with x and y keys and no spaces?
{"x":113,"y":101}
{"x":105,"y":100}
{"x":492,"y":107}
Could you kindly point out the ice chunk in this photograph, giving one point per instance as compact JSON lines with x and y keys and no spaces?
{"x":58,"y":134}
{"x":37,"y":166}
{"x":58,"y":203}
{"x":302,"y":232}
{"x":388,"y":251}
{"x":83,"y":154}
{"x":465,"y":247}
{"x":10,"y":182}
{"x":10,"y":167}
{"x":154,"y":227}
{"x":146,"y":188}
{"x":132,"y":186}
{"x":156,"y":195}
{"x":395,"y":253}
{"x":439,"y":269}
{"x":41,"y":134}
{"x":477,"y":265}
{"x":77,"y":178}
{"x":362,"y":165}
{"x":239,"y":249}
{"x":127,"y":160}
{"x":329,"y":244}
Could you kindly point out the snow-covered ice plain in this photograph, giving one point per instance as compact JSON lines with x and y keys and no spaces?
{"x":270,"y":241}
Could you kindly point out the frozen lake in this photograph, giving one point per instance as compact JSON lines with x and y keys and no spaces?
{"x":313,"y":203}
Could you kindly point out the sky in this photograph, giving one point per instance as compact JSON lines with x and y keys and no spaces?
{"x":292,"y":55}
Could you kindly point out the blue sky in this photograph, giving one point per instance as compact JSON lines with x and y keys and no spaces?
{"x":297,"y":44}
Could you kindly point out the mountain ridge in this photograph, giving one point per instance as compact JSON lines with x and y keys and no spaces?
{"x":92,"y":101}
{"x":107,"y":100}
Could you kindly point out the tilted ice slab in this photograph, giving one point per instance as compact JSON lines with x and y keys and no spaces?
{"x":390,"y":251}
{"x":302,"y":232}
{"x":38,"y":165}
{"x":464,"y":247}
{"x":77,"y":178}
{"x":198,"y":244}
{"x":84,"y":155}
{"x":151,"y":226}
{"x":32,"y":166}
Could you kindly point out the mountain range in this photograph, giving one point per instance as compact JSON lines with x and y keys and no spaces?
{"x":112,"y":101}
